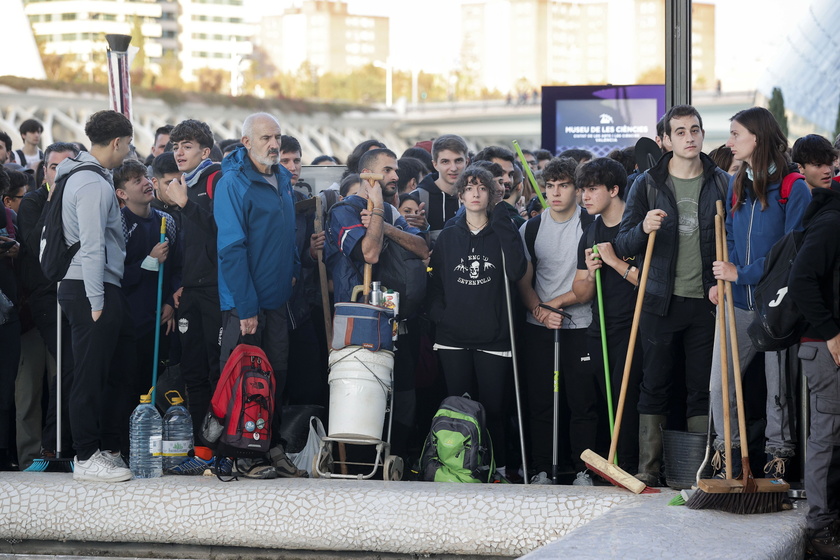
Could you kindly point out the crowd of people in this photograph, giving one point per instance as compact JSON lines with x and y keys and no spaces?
{"x":242,"y":250}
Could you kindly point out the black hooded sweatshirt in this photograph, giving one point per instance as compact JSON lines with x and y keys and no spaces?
{"x":813,"y":282}
{"x":466,"y":288}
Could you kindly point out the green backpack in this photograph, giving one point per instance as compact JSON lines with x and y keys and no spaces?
{"x":458,"y":447}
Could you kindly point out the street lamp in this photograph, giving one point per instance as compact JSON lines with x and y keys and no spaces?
{"x":389,"y":80}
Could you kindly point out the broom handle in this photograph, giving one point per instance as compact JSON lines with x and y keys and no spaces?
{"x":322,"y":273}
{"x":600,"y":294}
{"x":631,"y":345}
{"x":736,"y":372}
{"x":724,"y":359}
{"x":157,"y":314}
{"x":368,"y":276}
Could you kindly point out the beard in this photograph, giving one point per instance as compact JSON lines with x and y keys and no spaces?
{"x":269,"y":159}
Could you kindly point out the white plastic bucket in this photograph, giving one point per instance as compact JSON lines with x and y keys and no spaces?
{"x":359,"y":384}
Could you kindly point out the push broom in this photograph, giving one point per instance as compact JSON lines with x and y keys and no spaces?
{"x":745,"y":494}
{"x":594,"y":462}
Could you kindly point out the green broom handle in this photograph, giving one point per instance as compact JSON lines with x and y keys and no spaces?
{"x":528,"y":172}
{"x":599,"y":290}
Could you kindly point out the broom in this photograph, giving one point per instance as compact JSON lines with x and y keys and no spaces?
{"x":57,"y":463}
{"x":745,"y":494}
{"x":605,"y":467}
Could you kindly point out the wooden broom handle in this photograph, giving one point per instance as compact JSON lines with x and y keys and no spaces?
{"x":631,"y":345}
{"x":724,"y":355}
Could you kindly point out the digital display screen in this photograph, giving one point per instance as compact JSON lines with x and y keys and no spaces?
{"x":599,"y":119}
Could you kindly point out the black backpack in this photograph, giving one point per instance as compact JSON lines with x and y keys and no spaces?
{"x":778,"y":322}
{"x":55,"y":255}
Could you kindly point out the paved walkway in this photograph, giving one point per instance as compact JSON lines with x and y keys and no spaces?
{"x":399,"y":518}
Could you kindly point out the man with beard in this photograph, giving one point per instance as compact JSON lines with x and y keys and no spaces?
{"x":356,"y":236}
{"x":258,"y":261}
{"x":359,"y":234}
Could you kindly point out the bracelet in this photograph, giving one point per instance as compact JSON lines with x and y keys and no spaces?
{"x":629,"y":268}
{"x":378,"y":212}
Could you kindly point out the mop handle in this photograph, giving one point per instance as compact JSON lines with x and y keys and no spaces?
{"x":528,"y":172}
{"x":600,"y":293}
{"x":157,"y":312}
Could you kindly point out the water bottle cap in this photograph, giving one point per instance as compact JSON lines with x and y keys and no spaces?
{"x":176,"y":401}
{"x":145,"y":399}
{"x":174,"y":397}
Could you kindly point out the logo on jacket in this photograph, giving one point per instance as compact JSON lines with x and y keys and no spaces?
{"x":183,"y":325}
{"x":472,"y":274}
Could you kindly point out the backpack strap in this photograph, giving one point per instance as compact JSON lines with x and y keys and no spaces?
{"x":21,"y":157}
{"x":787,"y":186}
{"x":211,"y":186}
{"x":532,"y":227}
{"x":590,"y":233}
{"x":585,"y":219}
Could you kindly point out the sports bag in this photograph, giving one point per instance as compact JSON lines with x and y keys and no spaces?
{"x":458,"y":447}
{"x":55,"y":255}
{"x":360,"y":324}
{"x":239,"y":419}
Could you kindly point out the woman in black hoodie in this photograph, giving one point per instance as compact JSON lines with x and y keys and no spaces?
{"x":467,"y":299}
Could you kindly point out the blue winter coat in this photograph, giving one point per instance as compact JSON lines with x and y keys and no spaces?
{"x":256,"y":239}
{"x":751,"y":232}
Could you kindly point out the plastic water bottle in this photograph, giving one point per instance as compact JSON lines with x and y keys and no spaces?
{"x":146,"y":437}
{"x":177,"y":433}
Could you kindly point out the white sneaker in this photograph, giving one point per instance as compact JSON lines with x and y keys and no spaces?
{"x":115,"y":458}
{"x":100,"y":468}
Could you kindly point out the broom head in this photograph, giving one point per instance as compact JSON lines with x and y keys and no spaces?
{"x":614,"y":474}
{"x":753,"y":495}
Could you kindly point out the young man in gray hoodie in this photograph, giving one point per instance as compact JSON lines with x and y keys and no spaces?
{"x":95,"y":306}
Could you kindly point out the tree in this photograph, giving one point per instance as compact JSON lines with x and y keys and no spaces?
{"x":777,"y":107}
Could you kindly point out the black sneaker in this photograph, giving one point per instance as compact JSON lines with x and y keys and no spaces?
{"x":255,"y":468}
{"x":283,"y":465}
{"x":825,"y":543}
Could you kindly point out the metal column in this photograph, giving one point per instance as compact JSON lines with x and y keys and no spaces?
{"x":677,"y":52}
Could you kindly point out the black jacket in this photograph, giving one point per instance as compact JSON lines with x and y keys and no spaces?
{"x":440,"y":207}
{"x":632,"y":240}
{"x":812,"y":278}
{"x":199,"y":240}
{"x":466,"y":288}
{"x":30,"y":223}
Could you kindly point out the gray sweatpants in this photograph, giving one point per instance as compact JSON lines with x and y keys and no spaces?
{"x":778,"y":431}
{"x":822,"y":466}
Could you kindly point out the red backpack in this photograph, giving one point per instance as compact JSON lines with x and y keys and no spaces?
{"x":242,"y":405}
{"x":784,"y":190}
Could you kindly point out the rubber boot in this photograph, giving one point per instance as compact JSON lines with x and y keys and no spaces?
{"x":650,"y":448}
{"x":698,"y":424}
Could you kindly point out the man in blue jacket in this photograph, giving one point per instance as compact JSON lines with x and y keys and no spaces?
{"x":258,"y":262}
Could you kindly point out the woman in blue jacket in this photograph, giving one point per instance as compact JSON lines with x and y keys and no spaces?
{"x":758,"y":214}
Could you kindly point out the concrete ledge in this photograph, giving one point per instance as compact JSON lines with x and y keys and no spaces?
{"x":310,"y":514}
{"x":652,"y":529}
